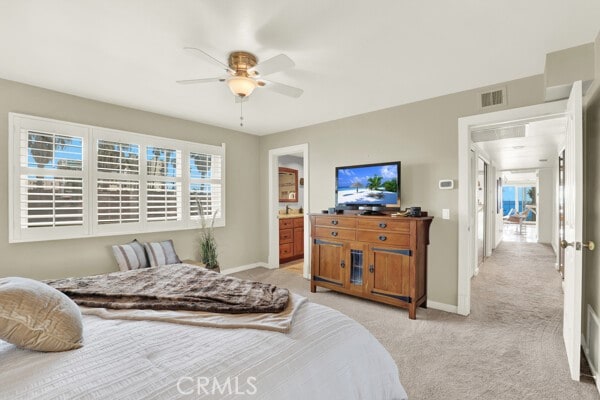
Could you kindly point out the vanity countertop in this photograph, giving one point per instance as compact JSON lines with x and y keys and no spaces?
{"x":286,"y":216}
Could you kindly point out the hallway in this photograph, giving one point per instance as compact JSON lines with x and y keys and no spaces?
{"x":518,"y":291}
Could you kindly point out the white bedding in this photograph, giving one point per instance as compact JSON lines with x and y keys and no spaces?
{"x":326,"y":355}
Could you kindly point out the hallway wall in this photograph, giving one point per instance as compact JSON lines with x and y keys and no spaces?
{"x":546,"y":205}
{"x":591,"y":259}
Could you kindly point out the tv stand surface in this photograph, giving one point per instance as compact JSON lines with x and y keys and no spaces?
{"x":371,"y":212}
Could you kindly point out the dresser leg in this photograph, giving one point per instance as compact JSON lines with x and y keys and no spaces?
{"x":412,"y":311}
{"x":313,"y":288}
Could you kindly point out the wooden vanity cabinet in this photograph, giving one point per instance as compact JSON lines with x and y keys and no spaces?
{"x":291,"y":238}
{"x":380,"y":258}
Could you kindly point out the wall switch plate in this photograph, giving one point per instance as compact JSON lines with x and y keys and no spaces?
{"x":445,"y":213}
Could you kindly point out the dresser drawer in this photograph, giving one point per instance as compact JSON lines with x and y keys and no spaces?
{"x":398,"y":226}
{"x":286,"y":236}
{"x":333,"y":233}
{"x":298,"y":222}
{"x":389,"y":238}
{"x":286,"y":223}
{"x":286,"y":250}
{"x":339,"y":222}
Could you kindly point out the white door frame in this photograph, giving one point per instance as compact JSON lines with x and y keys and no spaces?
{"x":465,"y":232}
{"x":573,"y":230}
{"x":272,"y":219}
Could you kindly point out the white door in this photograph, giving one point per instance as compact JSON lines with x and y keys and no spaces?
{"x":573,"y":229}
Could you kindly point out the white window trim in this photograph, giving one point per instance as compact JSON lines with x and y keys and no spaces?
{"x":91,"y":135}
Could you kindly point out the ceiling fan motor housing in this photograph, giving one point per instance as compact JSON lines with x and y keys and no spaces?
{"x":241,"y":62}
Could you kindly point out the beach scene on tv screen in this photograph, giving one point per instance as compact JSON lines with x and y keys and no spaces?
{"x":368,"y":185}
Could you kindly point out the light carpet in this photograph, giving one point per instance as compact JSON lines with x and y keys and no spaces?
{"x":510,"y":347}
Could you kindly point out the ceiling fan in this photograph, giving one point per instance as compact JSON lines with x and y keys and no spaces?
{"x":244,"y":73}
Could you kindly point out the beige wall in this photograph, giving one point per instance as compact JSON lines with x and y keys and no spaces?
{"x":423,"y":136}
{"x":566,"y":66}
{"x":591,"y":270}
{"x":238,"y":242}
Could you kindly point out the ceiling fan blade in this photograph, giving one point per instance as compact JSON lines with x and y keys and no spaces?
{"x":283,"y":89}
{"x":202,"y":80}
{"x":272,"y":65}
{"x":208,"y":57}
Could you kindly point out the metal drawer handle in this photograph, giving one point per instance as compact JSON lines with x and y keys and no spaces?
{"x":334,"y":233}
{"x":383,"y":238}
{"x":382,"y":225}
{"x":371,"y":268}
{"x":334,"y":222}
{"x":343,"y":264}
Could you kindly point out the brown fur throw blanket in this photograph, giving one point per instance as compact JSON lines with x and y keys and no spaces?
{"x":174,"y":287}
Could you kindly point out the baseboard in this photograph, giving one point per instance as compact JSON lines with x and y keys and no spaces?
{"x":244,"y":268}
{"x":442,"y":307}
{"x":586,"y":350}
{"x":590,"y":346}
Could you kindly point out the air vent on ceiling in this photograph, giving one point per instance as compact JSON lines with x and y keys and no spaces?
{"x":506,"y":132}
{"x":492,"y":98}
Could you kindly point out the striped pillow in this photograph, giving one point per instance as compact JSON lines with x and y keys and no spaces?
{"x":130,"y":256}
{"x":161,"y":253}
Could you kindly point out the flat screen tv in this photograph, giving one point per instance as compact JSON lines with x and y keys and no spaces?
{"x":369,"y":185}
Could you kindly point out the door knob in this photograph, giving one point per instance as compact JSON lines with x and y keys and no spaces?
{"x":590,"y":245}
{"x":564,"y":244}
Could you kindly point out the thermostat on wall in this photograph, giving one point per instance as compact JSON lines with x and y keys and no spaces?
{"x":446,"y":184}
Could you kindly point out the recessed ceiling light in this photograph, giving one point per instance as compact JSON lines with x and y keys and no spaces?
{"x":518,"y":147}
{"x":543,"y":160}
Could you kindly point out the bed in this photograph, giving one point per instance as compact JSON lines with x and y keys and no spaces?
{"x":325,"y":355}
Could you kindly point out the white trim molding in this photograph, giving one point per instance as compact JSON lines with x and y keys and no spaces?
{"x":246,"y":267}
{"x":442,"y":306}
{"x":590,"y":342}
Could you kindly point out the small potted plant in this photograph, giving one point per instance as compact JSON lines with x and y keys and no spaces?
{"x":208,"y":243}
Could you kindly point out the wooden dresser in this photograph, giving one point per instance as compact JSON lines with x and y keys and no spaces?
{"x":291,"y":238}
{"x":380,"y":258}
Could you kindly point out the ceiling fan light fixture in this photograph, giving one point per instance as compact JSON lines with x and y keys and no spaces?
{"x":241,"y":86}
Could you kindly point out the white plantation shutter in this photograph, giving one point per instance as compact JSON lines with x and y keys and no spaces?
{"x":118,"y":201}
{"x":71,"y":180}
{"x":48,"y":201}
{"x":117,"y":183}
{"x":163,"y":190}
{"x":205,"y":185}
{"x":49,"y":181}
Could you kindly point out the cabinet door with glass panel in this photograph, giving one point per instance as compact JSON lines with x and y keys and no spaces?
{"x":356,"y":261}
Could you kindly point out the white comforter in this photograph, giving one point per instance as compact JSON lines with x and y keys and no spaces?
{"x":326,"y":355}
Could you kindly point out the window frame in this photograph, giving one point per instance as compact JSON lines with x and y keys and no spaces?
{"x":19,"y":123}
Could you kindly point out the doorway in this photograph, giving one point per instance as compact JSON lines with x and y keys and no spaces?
{"x":291,"y":158}
{"x":500,"y":119}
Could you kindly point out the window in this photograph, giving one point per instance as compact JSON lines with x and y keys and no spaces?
{"x":71,"y":180}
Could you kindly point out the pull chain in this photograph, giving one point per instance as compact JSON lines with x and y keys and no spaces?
{"x":242,"y":111}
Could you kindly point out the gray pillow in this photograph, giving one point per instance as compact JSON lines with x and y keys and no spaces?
{"x":130,"y":256}
{"x":161,"y":253}
{"x":38,"y":317}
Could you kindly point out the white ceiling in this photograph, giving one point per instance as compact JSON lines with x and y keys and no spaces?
{"x":352,"y":56}
{"x":543,"y":141}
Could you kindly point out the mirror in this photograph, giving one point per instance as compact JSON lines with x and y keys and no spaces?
{"x":288,"y":185}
